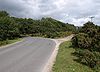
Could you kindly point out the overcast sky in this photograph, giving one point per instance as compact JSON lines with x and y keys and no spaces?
{"x":76,"y":12}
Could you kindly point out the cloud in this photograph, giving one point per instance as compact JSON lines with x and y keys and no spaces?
{"x":76,"y":12}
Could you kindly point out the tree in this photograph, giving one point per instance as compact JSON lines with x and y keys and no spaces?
{"x":8,"y":28}
{"x":3,"y":14}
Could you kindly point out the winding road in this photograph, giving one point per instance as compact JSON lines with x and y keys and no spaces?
{"x":29,"y":55}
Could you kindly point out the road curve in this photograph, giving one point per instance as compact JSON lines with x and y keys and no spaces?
{"x":30,"y":55}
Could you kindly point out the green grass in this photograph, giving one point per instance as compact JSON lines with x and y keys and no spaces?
{"x":2,"y":43}
{"x":65,"y":60}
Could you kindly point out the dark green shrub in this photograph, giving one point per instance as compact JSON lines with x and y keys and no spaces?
{"x":82,"y":40}
{"x":88,"y":58}
{"x":87,"y":44}
{"x":89,"y":28}
{"x":91,"y":59}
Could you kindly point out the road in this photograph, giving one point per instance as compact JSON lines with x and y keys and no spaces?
{"x":52,"y":59}
{"x":29,"y":55}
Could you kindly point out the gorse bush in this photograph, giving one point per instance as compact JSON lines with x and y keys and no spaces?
{"x":87,"y":44}
{"x":89,"y":58}
{"x":82,"y":40}
{"x":88,"y":40}
{"x":90,"y":29}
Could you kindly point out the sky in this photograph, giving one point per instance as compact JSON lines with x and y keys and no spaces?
{"x":76,"y":12}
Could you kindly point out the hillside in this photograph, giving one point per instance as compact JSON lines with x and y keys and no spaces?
{"x":12,"y":27}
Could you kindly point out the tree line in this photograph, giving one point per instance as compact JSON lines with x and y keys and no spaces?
{"x":12,"y":27}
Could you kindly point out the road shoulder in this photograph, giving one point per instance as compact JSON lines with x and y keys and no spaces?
{"x":13,"y":43}
{"x":51,"y":60}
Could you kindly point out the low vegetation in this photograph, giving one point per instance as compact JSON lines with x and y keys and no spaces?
{"x":5,"y":42}
{"x":66,"y":60}
{"x":82,"y":54}
{"x":87,"y":46}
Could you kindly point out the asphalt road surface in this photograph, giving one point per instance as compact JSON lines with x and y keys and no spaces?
{"x":30,"y":55}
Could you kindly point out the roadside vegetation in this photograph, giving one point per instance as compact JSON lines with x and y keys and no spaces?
{"x":12,"y":27}
{"x":65,"y":61}
{"x":5,"y":42}
{"x":87,"y":46}
{"x":82,"y":53}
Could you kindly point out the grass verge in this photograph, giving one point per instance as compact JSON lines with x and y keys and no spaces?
{"x":2,"y":43}
{"x":65,"y":60}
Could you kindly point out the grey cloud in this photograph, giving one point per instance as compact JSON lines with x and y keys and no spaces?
{"x":72,"y":11}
